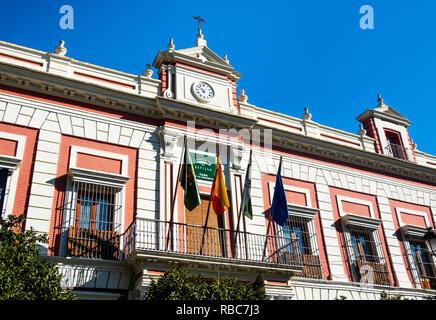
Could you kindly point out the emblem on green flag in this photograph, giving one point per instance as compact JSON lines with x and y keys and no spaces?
{"x":189,"y":182}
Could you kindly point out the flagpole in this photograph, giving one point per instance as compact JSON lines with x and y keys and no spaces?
{"x":269,"y":223}
{"x":240,"y":210}
{"x":170,"y":229}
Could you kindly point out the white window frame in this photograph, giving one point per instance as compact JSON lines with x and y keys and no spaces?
{"x":408,"y":231}
{"x":12,"y":163}
{"x":91,"y":177}
{"x":372,"y":226}
{"x":306,"y":212}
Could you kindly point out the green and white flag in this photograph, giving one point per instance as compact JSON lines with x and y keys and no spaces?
{"x":246,"y":196}
{"x":189,"y":182}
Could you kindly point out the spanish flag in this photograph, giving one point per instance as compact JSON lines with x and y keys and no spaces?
{"x":220,"y":200}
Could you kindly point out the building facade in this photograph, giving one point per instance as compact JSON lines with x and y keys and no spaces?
{"x":91,"y":156}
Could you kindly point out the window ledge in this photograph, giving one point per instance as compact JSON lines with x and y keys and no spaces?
{"x":10,"y":163}
{"x":98,"y":177}
{"x":414,"y":231}
{"x":355,"y":220}
{"x":302,"y":211}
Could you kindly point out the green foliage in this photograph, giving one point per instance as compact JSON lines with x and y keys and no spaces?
{"x":385,"y":296}
{"x":177,"y":284}
{"x":24,"y":275}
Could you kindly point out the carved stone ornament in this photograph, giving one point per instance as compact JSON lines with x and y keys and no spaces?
{"x":307,"y":116}
{"x":168,"y":143}
{"x":168,"y":94}
{"x":171,"y":45}
{"x":60,"y":49}
{"x":148,"y":73}
{"x":362,"y":131}
{"x":243,"y":97}
{"x":233,"y":109}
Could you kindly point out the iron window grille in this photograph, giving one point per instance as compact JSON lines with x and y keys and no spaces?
{"x":397,"y":151}
{"x":421,"y":263}
{"x":366,"y":259}
{"x":94,"y":214}
{"x":298,"y":242}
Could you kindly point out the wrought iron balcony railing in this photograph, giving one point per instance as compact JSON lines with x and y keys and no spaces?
{"x":397,"y":151}
{"x":146,"y":235}
{"x":378,"y":272}
{"x":104,"y":241}
{"x":94,"y":240}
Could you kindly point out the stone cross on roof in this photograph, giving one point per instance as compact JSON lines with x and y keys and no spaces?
{"x":200,"y":20}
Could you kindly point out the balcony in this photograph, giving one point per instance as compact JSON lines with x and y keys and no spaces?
{"x":161,"y":241}
{"x":380,"y":274}
{"x":99,"y":240}
{"x":396,"y":151}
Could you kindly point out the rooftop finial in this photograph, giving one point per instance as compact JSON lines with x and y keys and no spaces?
{"x":379,"y":100}
{"x":307,"y":116}
{"x":201,"y":42}
{"x":243,"y":97}
{"x":171,"y":45}
{"x":148,"y":73}
{"x":60,"y":49}
{"x":362,"y":131}
{"x":226,"y":59}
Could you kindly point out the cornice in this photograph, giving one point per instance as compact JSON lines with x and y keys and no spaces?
{"x":384,"y":116}
{"x":10,"y":163}
{"x":358,"y":157}
{"x":98,"y":177}
{"x":354,"y":220}
{"x":414,"y":231}
{"x":77,"y":90}
{"x":183,"y":111}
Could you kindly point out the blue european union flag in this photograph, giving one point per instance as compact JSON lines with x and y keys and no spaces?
{"x":279,"y":206}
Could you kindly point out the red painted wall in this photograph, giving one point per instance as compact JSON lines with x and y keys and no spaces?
{"x":297,"y":198}
{"x":22,"y":192}
{"x":405,"y":205}
{"x":334,"y":192}
{"x":61,"y":183}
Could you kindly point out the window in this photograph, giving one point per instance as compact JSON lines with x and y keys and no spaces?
{"x":95,"y":208}
{"x":364,"y":249}
{"x":4,"y":173}
{"x":421,"y":262}
{"x":93,"y":214}
{"x":297,"y":242}
{"x":395,"y":147}
{"x":363,"y":245}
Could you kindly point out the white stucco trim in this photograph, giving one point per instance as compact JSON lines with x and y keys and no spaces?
{"x":353,"y":200}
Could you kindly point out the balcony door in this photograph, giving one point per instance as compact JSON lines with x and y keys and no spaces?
{"x":213,"y":239}
{"x":395,"y":146}
{"x":95,"y":233}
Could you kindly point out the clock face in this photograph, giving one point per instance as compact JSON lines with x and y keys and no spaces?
{"x":203,"y":91}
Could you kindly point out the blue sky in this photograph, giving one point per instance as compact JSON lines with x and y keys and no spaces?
{"x":292,"y":54}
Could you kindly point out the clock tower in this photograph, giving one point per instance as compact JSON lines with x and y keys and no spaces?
{"x":198,"y":76}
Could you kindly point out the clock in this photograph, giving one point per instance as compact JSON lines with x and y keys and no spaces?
{"x":202,"y":91}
